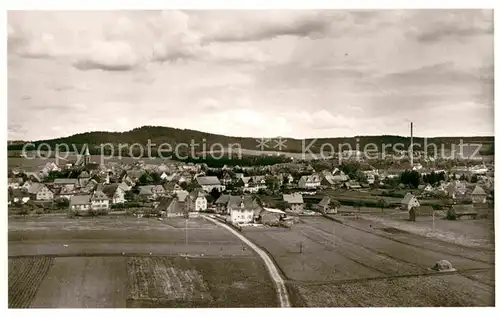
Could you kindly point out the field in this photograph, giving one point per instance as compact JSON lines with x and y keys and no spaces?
{"x":25,"y":276}
{"x":473,"y":233}
{"x":322,"y":257}
{"x":129,"y":262}
{"x":120,"y":234}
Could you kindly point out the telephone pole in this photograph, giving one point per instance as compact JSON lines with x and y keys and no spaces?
{"x":186,"y":233}
{"x":411,"y":144}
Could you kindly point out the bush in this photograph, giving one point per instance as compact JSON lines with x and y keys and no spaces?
{"x":118,"y":206}
{"x":451,"y":215}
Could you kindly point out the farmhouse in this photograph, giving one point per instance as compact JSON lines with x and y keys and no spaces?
{"x":327,"y":205}
{"x":80,"y":202}
{"x":172,"y":187}
{"x":197,"y":201}
{"x":114,"y":192}
{"x":409,"y":201}
{"x":327,"y":179}
{"x":209,"y":183}
{"x":221,"y":203}
{"x":99,"y":201}
{"x":227,"y":178}
{"x":40,"y":192}
{"x":172,"y":207}
{"x":423,"y":210}
{"x":241,"y":209}
{"x":462,"y":210}
{"x":255,"y":183}
{"x":270,"y":216}
{"x":309,"y":182}
{"x":295,"y":201}
{"x":478,"y":195}
{"x":152,"y":192}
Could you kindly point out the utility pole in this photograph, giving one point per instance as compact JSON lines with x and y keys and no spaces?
{"x":411,"y":144}
{"x":186,"y":233}
{"x":433,"y":223}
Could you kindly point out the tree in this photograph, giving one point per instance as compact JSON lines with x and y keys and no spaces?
{"x":24,"y":210}
{"x":215,"y":194}
{"x":382,"y":203}
{"x":146,"y":179}
{"x":62,"y":203}
{"x":410,"y":178}
{"x":359,"y":204}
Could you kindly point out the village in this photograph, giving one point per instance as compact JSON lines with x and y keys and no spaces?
{"x":273,"y":195}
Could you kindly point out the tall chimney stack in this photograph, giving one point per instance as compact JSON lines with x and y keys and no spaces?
{"x":411,"y":144}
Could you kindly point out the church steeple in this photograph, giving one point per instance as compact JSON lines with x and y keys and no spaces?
{"x":86,"y":156}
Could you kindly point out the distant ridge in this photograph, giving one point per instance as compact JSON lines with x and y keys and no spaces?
{"x":174,"y":136}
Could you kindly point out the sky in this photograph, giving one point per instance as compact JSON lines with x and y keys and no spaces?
{"x":297,"y":73}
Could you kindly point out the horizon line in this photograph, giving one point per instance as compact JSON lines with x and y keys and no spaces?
{"x":249,"y":137}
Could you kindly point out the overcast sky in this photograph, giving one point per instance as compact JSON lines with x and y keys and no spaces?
{"x":248,"y":73}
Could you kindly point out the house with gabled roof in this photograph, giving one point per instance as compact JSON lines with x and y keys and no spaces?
{"x":172,"y":187}
{"x":221,"y":203}
{"x":40,"y":192}
{"x":312,"y":181}
{"x":114,"y":193}
{"x":172,"y":207}
{"x":80,"y":202}
{"x":327,"y":206}
{"x":478,"y":195}
{"x":99,"y":201}
{"x":409,"y":201}
{"x":241,"y":209}
{"x":62,"y":182}
{"x":210,"y":182}
{"x":295,"y":201}
{"x":152,"y":192}
{"x":197,"y":201}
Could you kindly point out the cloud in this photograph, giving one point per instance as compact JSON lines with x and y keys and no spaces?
{"x":111,"y":56}
{"x":292,"y":73}
{"x":261,"y":25}
{"x":432,"y":26}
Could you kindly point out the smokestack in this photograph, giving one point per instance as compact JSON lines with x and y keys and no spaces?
{"x":411,"y":144}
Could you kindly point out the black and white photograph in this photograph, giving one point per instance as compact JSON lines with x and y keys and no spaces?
{"x":264,"y":158}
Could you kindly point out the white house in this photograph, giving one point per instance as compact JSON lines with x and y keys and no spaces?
{"x":295,"y":201}
{"x":80,"y":202}
{"x":309,"y":182}
{"x":478,"y":195}
{"x":254,"y":184}
{"x":197,"y":201}
{"x":114,"y":192}
{"x":241,"y":209}
{"x":99,"y":201}
{"x":39,"y":191}
{"x":409,"y":201}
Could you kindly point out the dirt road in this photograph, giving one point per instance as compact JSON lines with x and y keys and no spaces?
{"x":273,"y":271}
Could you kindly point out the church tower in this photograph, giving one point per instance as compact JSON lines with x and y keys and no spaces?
{"x":86,"y":156}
